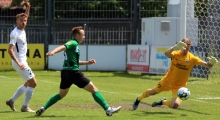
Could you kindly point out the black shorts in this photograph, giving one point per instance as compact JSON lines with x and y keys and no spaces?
{"x":69,"y":77}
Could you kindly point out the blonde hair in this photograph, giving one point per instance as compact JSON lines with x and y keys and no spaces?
{"x":21,"y":15}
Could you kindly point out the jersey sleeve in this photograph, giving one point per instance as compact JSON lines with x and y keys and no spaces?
{"x":13,"y":38}
{"x":70,"y":45}
{"x":197,"y":60}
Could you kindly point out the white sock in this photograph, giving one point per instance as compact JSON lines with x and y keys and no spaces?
{"x":109,"y":108}
{"x":18,"y":93}
{"x":28,"y":95}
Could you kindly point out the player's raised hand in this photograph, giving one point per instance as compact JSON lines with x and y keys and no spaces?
{"x":27,"y":3}
{"x":212,"y":60}
{"x":180,"y":46}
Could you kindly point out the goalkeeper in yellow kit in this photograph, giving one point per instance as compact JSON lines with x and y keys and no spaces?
{"x":182,"y":62}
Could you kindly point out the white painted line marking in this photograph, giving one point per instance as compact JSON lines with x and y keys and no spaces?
{"x":197,"y":100}
{"x":2,"y":76}
{"x":204,"y":101}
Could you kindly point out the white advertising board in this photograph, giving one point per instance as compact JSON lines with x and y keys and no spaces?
{"x":108,"y":57}
{"x":159,"y":63}
{"x":138,"y":58}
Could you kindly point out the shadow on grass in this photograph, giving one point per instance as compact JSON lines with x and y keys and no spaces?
{"x":46,"y":116}
{"x":8,"y":112}
{"x":56,"y":116}
{"x":193,"y":111}
{"x":130,"y":75}
{"x":152,"y":113}
{"x":144,"y":105}
{"x":155,"y":113}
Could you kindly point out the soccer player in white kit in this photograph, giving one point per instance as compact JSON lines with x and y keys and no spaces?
{"x":17,"y":50}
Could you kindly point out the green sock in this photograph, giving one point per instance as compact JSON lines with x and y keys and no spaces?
{"x":100,"y":100}
{"x":52,"y":101}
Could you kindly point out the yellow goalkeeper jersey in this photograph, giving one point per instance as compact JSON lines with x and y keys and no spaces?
{"x":180,"y":68}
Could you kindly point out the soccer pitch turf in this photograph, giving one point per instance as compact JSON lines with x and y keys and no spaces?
{"x":119,"y":89}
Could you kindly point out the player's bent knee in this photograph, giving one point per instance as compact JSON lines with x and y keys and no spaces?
{"x":33,"y":85}
{"x":62,"y":94}
{"x":175,"y":106}
{"x":153,"y":92}
{"x":91,"y":88}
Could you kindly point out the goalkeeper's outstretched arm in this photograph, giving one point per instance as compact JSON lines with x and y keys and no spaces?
{"x":168,"y":52}
{"x":179,"y":46}
{"x":211,"y":61}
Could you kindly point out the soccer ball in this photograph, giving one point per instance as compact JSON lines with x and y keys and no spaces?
{"x":183,"y":93}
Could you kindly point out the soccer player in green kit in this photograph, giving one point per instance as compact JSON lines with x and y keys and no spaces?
{"x":70,"y":73}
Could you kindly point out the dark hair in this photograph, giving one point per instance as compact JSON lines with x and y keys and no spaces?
{"x":21,"y":15}
{"x":76,"y":30}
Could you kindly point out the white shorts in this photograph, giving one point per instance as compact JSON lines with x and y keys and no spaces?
{"x":26,"y":74}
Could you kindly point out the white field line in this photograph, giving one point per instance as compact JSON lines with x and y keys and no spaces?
{"x":109,"y":92}
{"x":2,"y":76}
{"x":76,"y":86}
{"x":48,"y":81}
{"x":7,"y":77}
{"x":197,"y":100}
{"x":210,"y":98}
{"x":45,"y":81}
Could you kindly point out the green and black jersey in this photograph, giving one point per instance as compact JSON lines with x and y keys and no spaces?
{"x":71,"y":55}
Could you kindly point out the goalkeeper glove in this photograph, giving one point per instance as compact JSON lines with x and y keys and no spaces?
{"x":180,"y":46}
{"x":212,"y":60}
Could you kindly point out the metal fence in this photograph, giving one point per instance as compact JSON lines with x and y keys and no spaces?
{"x":106,"y":33}
{"x":5,"y":34}
{"x":152,"y":8}
{"x":37,"y":16}
{"x":90,"y":9}
{"x":34,"y":34}
{"x":107,"y":21}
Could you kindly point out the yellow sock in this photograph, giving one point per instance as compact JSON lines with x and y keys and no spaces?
{"x":167,"y":103}
{"x":144,"y":95}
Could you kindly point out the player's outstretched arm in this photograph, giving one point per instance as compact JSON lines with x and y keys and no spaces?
{"x":211,"y":61}
{"x":168,"y":52}
{"x":56,"y":50}
{"x":179,"y":46}
{"x":91,"y":61}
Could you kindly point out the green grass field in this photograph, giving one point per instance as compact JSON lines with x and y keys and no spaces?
{"x":118,"y":88}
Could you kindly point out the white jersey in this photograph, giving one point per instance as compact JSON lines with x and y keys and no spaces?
{"x":18,"y":38}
